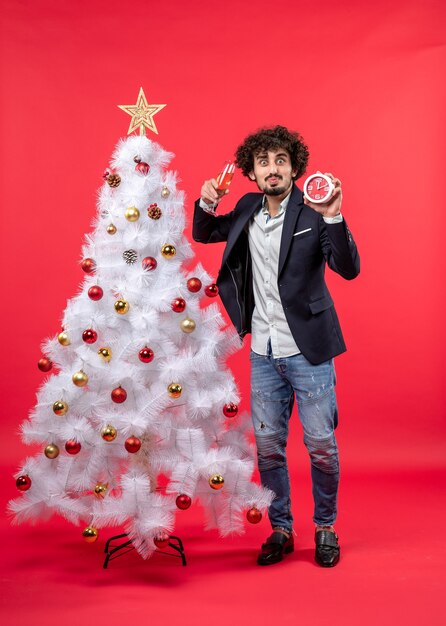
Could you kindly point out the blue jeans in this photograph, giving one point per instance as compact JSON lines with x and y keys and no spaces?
{"x":274,"y":382}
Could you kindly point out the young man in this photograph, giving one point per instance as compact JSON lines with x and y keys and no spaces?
{"x":272,"y":285}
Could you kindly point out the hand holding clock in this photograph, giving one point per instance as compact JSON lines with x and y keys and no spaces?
{"x":332,"y":206}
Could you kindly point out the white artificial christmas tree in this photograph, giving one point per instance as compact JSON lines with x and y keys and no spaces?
{"x":140,"y":386}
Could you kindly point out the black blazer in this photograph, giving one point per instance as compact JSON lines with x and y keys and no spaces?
{"x":307,"y":244}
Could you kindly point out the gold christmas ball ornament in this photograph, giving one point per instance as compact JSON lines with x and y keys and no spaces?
{"x":216,"y":481}
{"x":105,"y":354}
{"x":111,"y":229}
{"x":51,"y":451}
{"x":132,"y":214}
{"x":122,"y":307}
{"x":100,"y":490}
{"x":80,"y":379}
{"x":90,"y":534}
{"x":168,"y":251}
{"x":60,"y":407}
{"x":188,"y":325}
{"x":165,"y":193}
{"x":109,"y":433}
{"x":63,"y":339}
{"x":174,"y":390}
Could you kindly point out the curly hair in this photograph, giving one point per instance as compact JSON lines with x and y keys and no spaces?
{"x":273,"y":139}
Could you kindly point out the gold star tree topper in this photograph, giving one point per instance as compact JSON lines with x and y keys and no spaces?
{"x":142,"y":114}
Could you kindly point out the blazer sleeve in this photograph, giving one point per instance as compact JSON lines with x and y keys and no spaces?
{"x":339,"y":249}
{"x":208,"y":228}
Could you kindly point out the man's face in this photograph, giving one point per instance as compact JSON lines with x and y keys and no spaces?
{"x":273,"y":172}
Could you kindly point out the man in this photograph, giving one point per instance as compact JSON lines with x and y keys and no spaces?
{"x":272,"y":285}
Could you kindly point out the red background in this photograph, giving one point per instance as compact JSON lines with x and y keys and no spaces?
{"x":363,"y":83}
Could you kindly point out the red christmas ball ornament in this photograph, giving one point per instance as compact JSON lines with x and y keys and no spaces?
{"x":73,"y":447}
{"x":194,"y":284}
{"x":132,"y":444}
{"x":89,"y":335}
{"x":44,"y":364}
{"x":253,"y":515}
{"x":142,"y":168}
{"x":161,"y":541}
{"x":183,"y":501}
{"x":146,"y":355}
{"x":149,"y":263}
{"x":230,"y":409}
{"x":178,"y":305}
{"x":88,"y":265}
{"x":95,"y":292}
{"x":119,"y":395}
{"x":23,"y":483}
{"x":211,"y":290}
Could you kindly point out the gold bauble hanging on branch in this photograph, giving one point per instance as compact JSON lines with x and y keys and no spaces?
{"x":216,"y":481}
{"x":188,"y":325}
{"x":174,"y":390}
{"x":60,"y":407}
{"x":122,"y":307}
{"x":109,"y":433}
{"x":100,"y":490}
{"x":168,"y":251}
{"x":63,"y":339}
{"x":51,"y":451}
{"x":132,"y":214}
{"x":105,"y":354}
{"x":80,"y":379}
{"x":90,"y":534}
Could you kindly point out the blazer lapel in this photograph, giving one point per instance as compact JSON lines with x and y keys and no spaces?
{"x":292,"y":212}
{"x":240,"y":224}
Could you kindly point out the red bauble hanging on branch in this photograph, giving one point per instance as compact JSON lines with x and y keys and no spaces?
{"x":183,"y":501}
{"x":253,"y":515}
{"x":149,"y":263}
{"x":45,"y":364}
{"x":162,"y":540}
{"x":132,"y":444}
{"x":146,"y":355}
{"x":95,"y":292}
{"x":88,"y":265}
{"x":230,"y":409}
{"x":119,"y":395}
{"x":23,"y":483}
{"x":194,"y":284}
{"x":211,"y":290}
{"x":142,"y":168}
{"x":89,"y":335}
{"x":178,"y":305}
{"x":73,"y":447}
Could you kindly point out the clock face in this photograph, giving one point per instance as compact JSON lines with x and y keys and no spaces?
{"x":318,"y":188}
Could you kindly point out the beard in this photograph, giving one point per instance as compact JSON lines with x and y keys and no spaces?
{"x":275,"y":191}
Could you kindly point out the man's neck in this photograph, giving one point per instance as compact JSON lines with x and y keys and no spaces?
{"x":274,"y":202}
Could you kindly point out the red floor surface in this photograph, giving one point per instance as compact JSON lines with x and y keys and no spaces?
{"x":391,"y":569}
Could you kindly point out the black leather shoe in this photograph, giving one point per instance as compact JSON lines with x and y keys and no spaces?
{"x":327,"y":548}
{"x":275,"y":547}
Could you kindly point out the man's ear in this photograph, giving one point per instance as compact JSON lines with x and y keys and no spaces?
{"x":251,"y":175}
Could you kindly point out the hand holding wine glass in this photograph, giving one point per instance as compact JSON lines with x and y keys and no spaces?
{"x":214,"y":189}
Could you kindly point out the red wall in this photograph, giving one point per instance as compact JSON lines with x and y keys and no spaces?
{"x":362,"y":82}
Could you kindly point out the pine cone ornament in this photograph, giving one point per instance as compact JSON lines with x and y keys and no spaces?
{"x":114,"y":180}
{"x":154,"y":212}
{"x":130,"y":256}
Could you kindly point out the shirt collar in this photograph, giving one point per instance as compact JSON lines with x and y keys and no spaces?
{"x":282,"y":207}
